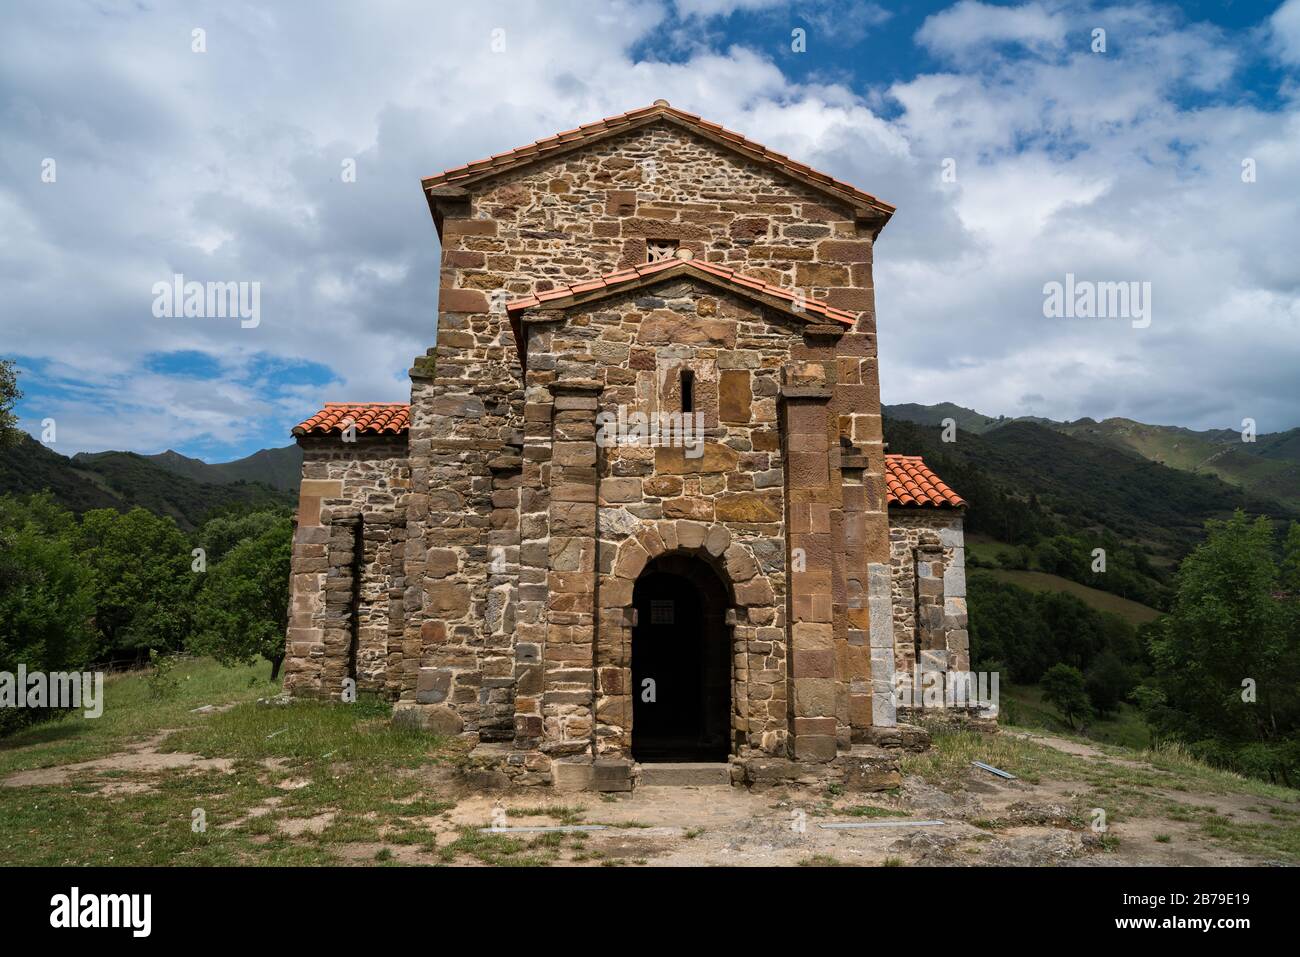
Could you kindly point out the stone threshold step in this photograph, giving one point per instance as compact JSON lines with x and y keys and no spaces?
{"x":680,"y":774}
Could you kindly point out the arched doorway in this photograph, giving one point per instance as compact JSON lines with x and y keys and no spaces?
{"x":681,"y":663}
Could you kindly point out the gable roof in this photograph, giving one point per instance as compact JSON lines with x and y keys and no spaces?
{"x":561,"y":143}
{"x":621,"y":280}
{"x":370,"y":418}
{"x":909,"y":481}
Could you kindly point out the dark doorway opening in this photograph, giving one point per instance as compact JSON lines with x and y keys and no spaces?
{"x":681,"y":663}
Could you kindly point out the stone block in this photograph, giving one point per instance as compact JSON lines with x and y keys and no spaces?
{"x":437,"y":719}
{"x":609,"y":775}
{"x":870,"y":769}
{"x":734,"y":396}
{"x":432,"y":685}
{"x":571,"y":775}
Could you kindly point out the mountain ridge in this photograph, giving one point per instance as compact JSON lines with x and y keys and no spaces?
{"x":1269,"y":466}
{"x":124,"y":480}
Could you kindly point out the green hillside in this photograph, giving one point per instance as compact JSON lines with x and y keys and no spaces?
{"x":1133,"y":612}
{"x":968,"y":420}
{"x":278,"y":468}
{"x":1023,"y":475}
{"x":124,"y":480}
{"x":1268,"y":467}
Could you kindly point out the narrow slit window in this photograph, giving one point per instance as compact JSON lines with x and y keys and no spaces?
{"x":688,"y":390}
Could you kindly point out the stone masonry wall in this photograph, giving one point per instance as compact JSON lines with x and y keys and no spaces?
{"x":726,"y":505}
{"x":928,"y":556}
{"x":473,"y":508}
{"x":347,"y":572}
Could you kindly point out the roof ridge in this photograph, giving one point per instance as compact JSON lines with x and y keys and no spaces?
{"x":620,"y":276}
{"x":619,"y":121}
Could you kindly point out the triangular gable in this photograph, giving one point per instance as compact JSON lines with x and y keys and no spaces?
{"x":622,"y":280}
{"x":454,"y":182}
{"x":823,"y":317}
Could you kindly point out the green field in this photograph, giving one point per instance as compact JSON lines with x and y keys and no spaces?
{"x":1135,"y":613}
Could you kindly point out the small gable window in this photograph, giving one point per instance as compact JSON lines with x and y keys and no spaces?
{"x":688,"y":390}
{"x":660,"y":250}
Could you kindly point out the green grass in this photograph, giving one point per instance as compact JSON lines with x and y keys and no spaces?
{"x":1023,"y":705}
{"x":1124,"y":790}
{"x":867,"y":810}
{"x":949,"y":762}
{"x":308,"y":731}
{"x":563,"y":813}
{"x":131,"y":713}
{"x":342,"y":767}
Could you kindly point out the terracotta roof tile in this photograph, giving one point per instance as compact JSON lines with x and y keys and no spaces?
{"x":370,"y":418}
{"x":909,"y":481}
{"x":813,"y":309}
{"x":613,"y":124}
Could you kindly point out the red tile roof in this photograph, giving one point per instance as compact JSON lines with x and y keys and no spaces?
{"x":481,"y":169}
{"x":812,"y":309}
{"x":909,"y":481}
{"x":370,"y":418}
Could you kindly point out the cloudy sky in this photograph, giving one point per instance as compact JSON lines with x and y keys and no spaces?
{"x":227,"y":165}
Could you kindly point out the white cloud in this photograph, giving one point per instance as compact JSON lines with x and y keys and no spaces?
{"x":226,"y":165}
{"x":1285,"y":26}
{"x":971,"y":24}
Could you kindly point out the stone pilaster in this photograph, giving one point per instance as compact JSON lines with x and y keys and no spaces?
{"x":809,"y":498}
{"x":568,"y":678}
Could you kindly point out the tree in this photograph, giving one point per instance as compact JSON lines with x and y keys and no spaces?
{"x":1226,"y":661}
{"x":1063,"y":688}
{"x":9,"y":394}
{"x":46,"y":599}
{"x":1107,"y":682}
{"x":144,"y":587}
{"x":221,"y":533}
{"x":244,"y":605}
{"x":1290,"y":571}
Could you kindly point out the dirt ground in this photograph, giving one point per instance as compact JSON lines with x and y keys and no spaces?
{"x":985,"y":820}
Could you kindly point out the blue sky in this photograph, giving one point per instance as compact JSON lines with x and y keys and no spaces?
{"x":224,"y":165}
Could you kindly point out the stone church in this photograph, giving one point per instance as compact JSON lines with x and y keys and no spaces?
{"x":514,"y":559}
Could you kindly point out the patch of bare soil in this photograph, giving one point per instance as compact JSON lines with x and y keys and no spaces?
{"x":368,"y":853}
{"x":140,"y":758}
{"x":294,"y":826}
{"x":143,"y":757}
